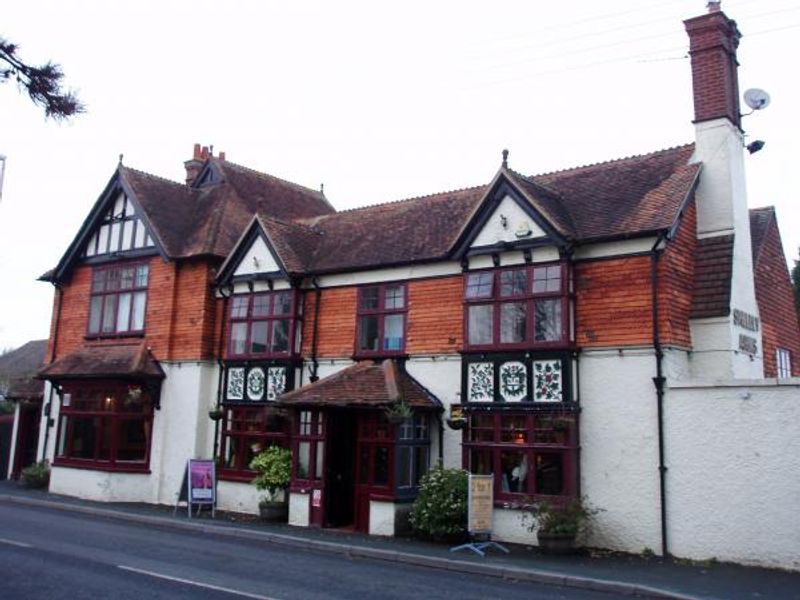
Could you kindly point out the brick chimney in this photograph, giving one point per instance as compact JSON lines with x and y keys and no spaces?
{"x":713,"y":39}
{"x":195,"y":164}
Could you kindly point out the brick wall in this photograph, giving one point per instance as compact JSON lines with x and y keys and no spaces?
{"x":676,"y":281}
{"x":776,"y":302}
{"x":180,"y":319}
{"x":613,"y":302}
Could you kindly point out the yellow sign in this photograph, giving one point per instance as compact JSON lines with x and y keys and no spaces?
{"x":481,"y":503}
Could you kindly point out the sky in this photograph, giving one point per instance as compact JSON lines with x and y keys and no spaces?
{"x":379,"y":101}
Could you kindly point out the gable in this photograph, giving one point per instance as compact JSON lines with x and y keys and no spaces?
{"x":257,"y":259}
{"x":507,"y":223}
{"x":119,"y":230}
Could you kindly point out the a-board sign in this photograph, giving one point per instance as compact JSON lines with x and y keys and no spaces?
{"x":201,"y":476}
{"x":480,"y":502}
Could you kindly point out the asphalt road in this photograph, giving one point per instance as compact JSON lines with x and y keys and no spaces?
{"x":48,"y":554}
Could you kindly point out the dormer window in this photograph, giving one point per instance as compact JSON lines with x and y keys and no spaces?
{"x":262,"y":324}
{"x":118,"y":300}
{"x":516,"y":307}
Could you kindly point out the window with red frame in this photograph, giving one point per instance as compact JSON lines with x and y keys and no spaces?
{"x":381,"y":319}
{"x":105,"y":426}
{"x":246,"y":431}
{"x":531,"y":454}
{"x":309,"y":446}
{"x":516,"y":307}
{"x":262,"y":324}
{"x":118,"y":300}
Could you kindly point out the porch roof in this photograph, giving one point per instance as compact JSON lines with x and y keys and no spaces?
{"x":124,"y":361}
{"x":367,"y":384}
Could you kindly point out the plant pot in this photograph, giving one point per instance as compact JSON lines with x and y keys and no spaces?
{"x":456,"y":423}
{"x":556,"y":543}
{"x":396,"y":419}
{"x":274,"y":512}
{"x":215,"y":415}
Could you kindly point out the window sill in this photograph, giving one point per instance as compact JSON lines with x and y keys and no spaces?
{"x":113,"y":336}
{"x":237,"y":476}
{"x":401,"y":354}
{"x":143,"y":469}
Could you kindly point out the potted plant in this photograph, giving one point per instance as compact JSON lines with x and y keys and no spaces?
{"x":558,"y":525}
{"x":273,"y":469}
{"x":398,"y":412}
{"x":215,"y":414}
{"x":37,"y":475}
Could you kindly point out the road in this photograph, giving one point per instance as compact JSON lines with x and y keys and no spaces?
{"x":50,"y":554}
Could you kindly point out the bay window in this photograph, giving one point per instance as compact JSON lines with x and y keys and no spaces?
{"x":381,"y":319}
{"x":247,"y":431}
{"x":262,"y":324}
{"x":118,"y":300}
{"x":531,"y":454}
{"x":516,"y":307}
{"x":105,"y":426}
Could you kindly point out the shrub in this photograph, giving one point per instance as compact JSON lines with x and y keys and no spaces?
{"x":274,"y":470}
{"x":569,"y":519}
{"x":440,"y":510}
{"x":36,"y":475}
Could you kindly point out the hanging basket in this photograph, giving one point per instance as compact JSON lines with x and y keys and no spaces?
{"x":456,"y":423}
{"x":215,"y":414}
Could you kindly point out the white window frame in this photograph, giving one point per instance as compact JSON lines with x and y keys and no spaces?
{"x":783,"y":363}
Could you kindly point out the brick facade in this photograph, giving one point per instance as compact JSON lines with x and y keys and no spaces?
{"x":775,"y":298}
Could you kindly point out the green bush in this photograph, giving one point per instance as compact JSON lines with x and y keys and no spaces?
{"x":36,"y":475}
{"x":274,"y":470}
{"x":440,"y":510}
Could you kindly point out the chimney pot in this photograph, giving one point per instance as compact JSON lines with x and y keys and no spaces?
{"x":222,"y":156}
{"x":196,"y":153}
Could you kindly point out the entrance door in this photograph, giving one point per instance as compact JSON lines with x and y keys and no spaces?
{"x":27,"y":437}
{"x":340,"y":472}
{"x":375,"y":459}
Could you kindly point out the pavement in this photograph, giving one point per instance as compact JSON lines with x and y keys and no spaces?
{"x":616,"y":573}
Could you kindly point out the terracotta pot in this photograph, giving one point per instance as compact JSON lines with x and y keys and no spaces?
{"x":274,"y":512}
{"x":556,"y":543}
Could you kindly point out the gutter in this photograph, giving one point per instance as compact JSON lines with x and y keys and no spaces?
{"x":314,"y":362}
{"x":658,"y":382}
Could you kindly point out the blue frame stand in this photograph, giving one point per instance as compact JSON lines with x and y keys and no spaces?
{"x":480,"y":547}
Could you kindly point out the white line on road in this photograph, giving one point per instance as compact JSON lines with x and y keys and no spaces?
{"x":207,"y":586}
{"x":14,"y":543}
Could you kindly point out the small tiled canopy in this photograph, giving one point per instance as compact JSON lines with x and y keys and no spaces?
{"x":129,"y":361}
{"x":364,"y":384}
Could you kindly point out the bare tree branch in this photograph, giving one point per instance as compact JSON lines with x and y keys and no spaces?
{"x":42,"y":83}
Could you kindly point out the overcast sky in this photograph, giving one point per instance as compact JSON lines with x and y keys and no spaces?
{"x":379,"y":101}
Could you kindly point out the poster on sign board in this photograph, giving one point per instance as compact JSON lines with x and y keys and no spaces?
{"x":480,"y":503}
{"x":201,"y":482}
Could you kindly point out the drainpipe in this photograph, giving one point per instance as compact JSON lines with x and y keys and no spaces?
{"x":314,"y":362}
{"x":659,"y":381}
{"x":220,"y":378}
{"x":46,"y":410}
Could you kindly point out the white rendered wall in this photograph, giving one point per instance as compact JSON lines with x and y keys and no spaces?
{"x":13,"y":446}
{"x":721,"y":199}
{"x":619,"y":448}
{"x":102,"y":486}
{"x":299,"y":509}
{"x":182,"y":429}
{"x":257,"y":259}
{"x":442,"y":377}
{"x":508,"y":526}
{"x":381,"y":518}
{"x":515,"y":218}
{"x":238,"y":497}
{"x":733,"y":485}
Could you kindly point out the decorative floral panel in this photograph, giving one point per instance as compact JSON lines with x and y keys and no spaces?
{"x":235,"y":389}
{"x":513,"y":381}
{"x":547,"y":381}
{"x":276,"y":382}
{"x":480,"y":382}
{"x":255,"y":383}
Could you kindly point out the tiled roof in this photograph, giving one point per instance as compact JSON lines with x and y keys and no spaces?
{"x":626,"y":196}
{"x":132,"y":361}
{"x":25,"y":389}
{"x":25,"y":360}
{"x":760,"y":219}
{"x":713,"y":266}
{"x":367,"y":384}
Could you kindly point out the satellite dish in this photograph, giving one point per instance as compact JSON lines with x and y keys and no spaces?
{"x":756,"y":98}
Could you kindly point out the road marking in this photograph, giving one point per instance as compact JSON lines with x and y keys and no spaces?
{"x":207,"y":586}
{"x":15,"y":543}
